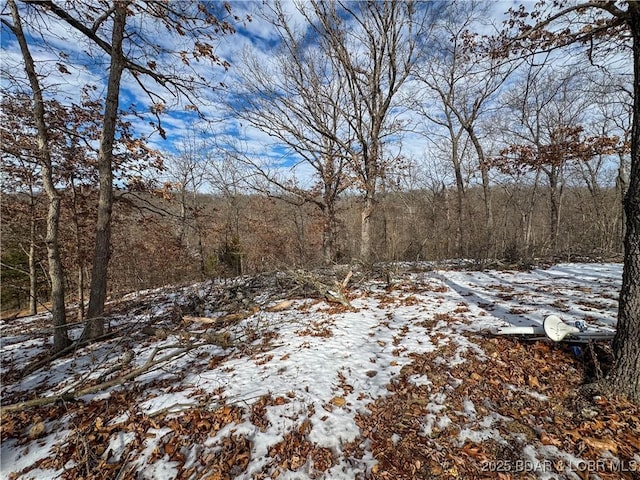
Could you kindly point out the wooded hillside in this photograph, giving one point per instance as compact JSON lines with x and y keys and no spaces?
{"x":249,"y":234}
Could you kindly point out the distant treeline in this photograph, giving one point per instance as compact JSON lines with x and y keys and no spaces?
{"x":158,"y":241}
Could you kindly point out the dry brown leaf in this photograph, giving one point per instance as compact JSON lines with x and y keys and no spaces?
{"x":170,"y":448}
{"x":338,"y":401}
{"x":533,"y":382}
{"x":36,"y":430}
{"x":188,"y":318}
{"x":547,"y":439}
{"x":601,"y":444}
{"x":574,"y":434}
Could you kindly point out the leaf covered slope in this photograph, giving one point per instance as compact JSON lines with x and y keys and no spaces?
{"x":261,"y":377}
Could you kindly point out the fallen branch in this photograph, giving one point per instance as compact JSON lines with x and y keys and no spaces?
{"x":74,"y":395}
{"x":333,"y":295}
{"x":280,"y":306}
{"x":34,"y":366}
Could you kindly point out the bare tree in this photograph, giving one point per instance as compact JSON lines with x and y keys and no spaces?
{"x":22,"y":177}
{"x":615,"y":116}
{"x":373,"y":47}
{"x":188,"y":168}
{"x":297,"y":99}
{"x":439,"y":73}
{"x":610,"y":118}
{"x":56,"y":275}
{"x":131,"y":47}
{"x":546,"y":110}
{"x":603,"y":27}
{"x":466,"y":81}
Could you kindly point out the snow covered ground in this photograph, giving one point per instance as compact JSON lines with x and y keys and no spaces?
{"x":405,"y":384}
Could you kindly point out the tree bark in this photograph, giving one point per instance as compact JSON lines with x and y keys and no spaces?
{"x":457,"y":168}
{"x":102,"y":248}
{"x":625,"y":375}
{"x":528,"y":229}
{"x":373,"y":74}
{"x":328,"y":237}
{"x":622,"y":183}
{"x":486,"y":190}
{"x":33,"y":267}
{"x":79,"y":257}
{"x":56,"y":272}
{"x":555,"y":192}
{"x":366,"y":228}
{"x":330,"y":216}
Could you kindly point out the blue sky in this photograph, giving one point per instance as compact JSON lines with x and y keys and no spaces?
{"x":64,"y":46}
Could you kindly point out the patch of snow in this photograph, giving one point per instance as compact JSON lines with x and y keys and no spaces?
{"x":538,"y":396}
{"x":469,"y":409}
{"x":162,"y":469}
{"x":329,"y":366}
{"x":436,"y":407}
{"x":15,"y":457}
{"x":444,"y":422}
{"x":427,"y":426}
{"x":479,"y":436}
{"x":492,"y":418}
{"x":420,"y":380}
{"x":334,"y":431}
{"x":168,"y":401}
{"x":117,"y":445}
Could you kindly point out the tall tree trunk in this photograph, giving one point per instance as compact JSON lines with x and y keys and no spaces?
{"x":486,"y":191}
{"x":555,"y":194}
{"x":528,"y":232}
{"x":622,"y":183}
{"x":327,"y":239}
{"x":79,"y":259}
{"x":625,"y":375}
{"x":183,"y":212}
{"x":56,"y":272}
{"x":33,"y":277}
{"x":372,"y":172}
{"x":33,"y":267}
{"x":102,"y":249}
{"x":447,"y":216}
{"x":457,"y":169}
{"x":203,"y":265}
{"x":329,"y":229}
{"x":366,"y":228}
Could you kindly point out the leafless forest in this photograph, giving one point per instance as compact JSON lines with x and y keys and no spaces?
{"x":155,"y":245}
{"x":320,"y":239}
{"x":513,"y":159}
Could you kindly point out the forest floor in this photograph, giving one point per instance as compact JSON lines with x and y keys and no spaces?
{"x":269,"y":377}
